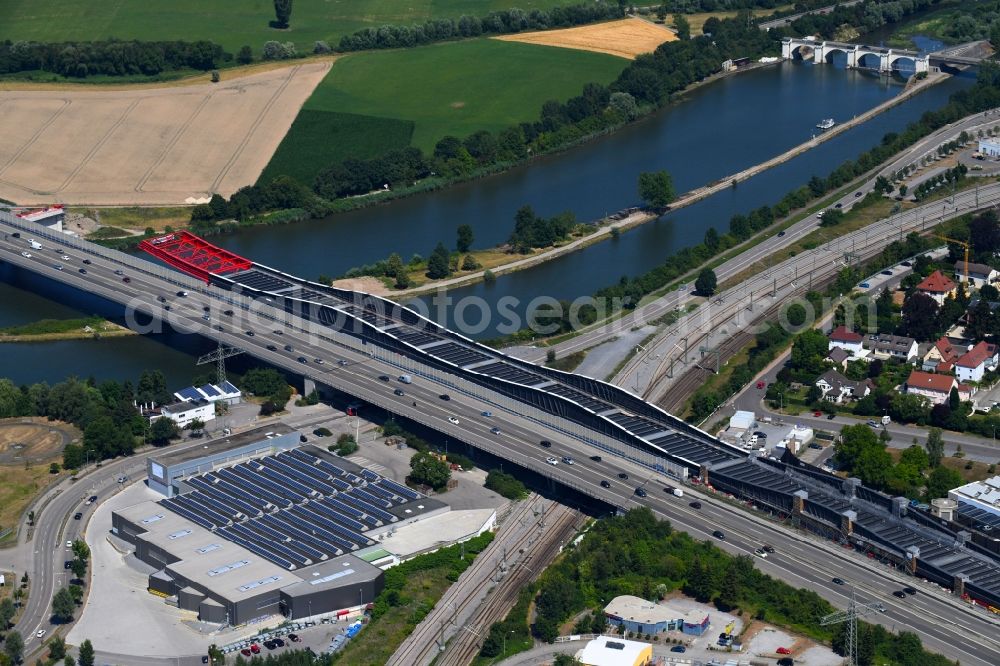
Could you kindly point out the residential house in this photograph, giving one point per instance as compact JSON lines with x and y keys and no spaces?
{"x":838,"y":388}
{"x":847,"y":340}
{"x":839,"y":356}
{"x":935,"y":387}
{"x":979,"y":274}
{"x":974,"y":363}
{"x":938,"y":286}
{"x":942,"y":356}
{"x":892,"y":346}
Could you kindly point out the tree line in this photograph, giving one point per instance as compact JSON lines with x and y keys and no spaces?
{"x":112,"y":57}
{"x":865,"y":16}
{"x":495,"y":23}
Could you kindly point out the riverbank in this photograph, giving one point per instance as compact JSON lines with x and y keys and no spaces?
{"x":609,"y":227}
{"x":49,"y":330}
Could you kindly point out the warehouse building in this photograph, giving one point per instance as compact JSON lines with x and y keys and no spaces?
{"x":640,"y":616}
{"x":256,"y":525}
{"x":614,"y":651}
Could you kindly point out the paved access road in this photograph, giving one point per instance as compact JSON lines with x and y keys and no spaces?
{"x":939,"y":618}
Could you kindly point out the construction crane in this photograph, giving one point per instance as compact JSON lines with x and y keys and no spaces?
{"x":219,"y":357}
{"x":854,"y":611}
{"x":968,"y":278}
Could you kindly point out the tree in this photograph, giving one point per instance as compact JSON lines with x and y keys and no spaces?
{"x":698,"y":583}
{"x":195,"y":424}
{"x":6,"y":613}
{"x":245,"y":55}
{"x":711,"y":239}
{"x":428,"y":470}
{"x":706,"y":283}
{"x":86,"y":655}
{"x":63,"y":605}
{"x":439,"y":263}
{"x":935,"y":447}
{"x":682,"y":26}
{"x":13,"y":647}
{"x":464,"y":241}
{"x":656,"y":189}
{"x":79,"y":568}
{"x":941,"y":480}
{"x":920,"y":316}
{"x":162,"y":431}
{"x":69,"y":661}
{"x":215,"y":655}
{"x":469,"y":263}
{"x":57,"y":648}
{"x":282,"y":13}
{"x":624,"y":104}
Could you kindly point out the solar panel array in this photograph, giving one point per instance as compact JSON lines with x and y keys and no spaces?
{"x":293,"y":508}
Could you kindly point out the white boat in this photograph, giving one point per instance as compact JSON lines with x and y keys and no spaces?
{"x":826,"y":123}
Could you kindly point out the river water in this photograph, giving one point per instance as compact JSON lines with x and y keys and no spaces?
{"x":715,"y":131}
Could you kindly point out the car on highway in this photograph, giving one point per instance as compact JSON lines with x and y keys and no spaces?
{"x":217,"y":327}
{"x":69,"y":544}
{"x":445,"y":397}
{"x":342,"y":361}
{"x":58,"y":267}
{"x":84,"y":272}
{"x":864,"y":285}
{"x":839,"y":205}
{"x":768,"y":549}
{"x":623,"y":476}
{"x":126,"y":279}
{"x":761,"y":385}
{"x":16,"y":234}
{"x":639,"y":492}
{"x":39,"y":633}
{"x":487,"y":414}
{"x":78,"y":515}
{"x":838,"y":581}
{"x":288,"y":348}
{"x":552,"y":461}
{"x":545,"y":444}
{"x":761,"y":553}
{"x":596,"y":458}
{"x":121,"y":272}
{"x":228,"y":313}
{"x":605,"y":484}
{"x":272,"y":348}
{"x":399,"y":392}
{"x":873,"y":424}
{"x":887,"y":272}
{"x":278,"y":331}
{"x":719,"y":534}
{"x":250,"y":333}
{"x":161,"y":299}
{"x":780,"y":234}
{"x":695,"y":505}
{"x":910,"y":590}
{"x":207,"y":317}
{"x":679,"y":649}
{"x":899,"y":594}
{"x":181,"y":293}
{"x":495,"y":430}
{"x":858,"y":194}
{"x":830,"y":417}
{"x":452,"y":420}
{"x":26,"y":255}
{"x":302,"y":359}
{"x":906,"y":263}
{"x":68,"y":564}
{"x":87,"y":261}
{"x":569,"y":460}
{"x":64,"y":257}
{"x":383,"y":378}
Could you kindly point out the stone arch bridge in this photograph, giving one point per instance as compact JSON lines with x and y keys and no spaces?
{"x":859,"y":56}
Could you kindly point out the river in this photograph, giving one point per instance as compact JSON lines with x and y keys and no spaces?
{"x":714,"y":131}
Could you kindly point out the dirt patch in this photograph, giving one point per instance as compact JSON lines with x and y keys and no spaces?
{"x":457,"y":105}
{"x":169,"y":145}
{"x":33,"y":440}
{"x":368,"y":285}
{"x":626,"y":38}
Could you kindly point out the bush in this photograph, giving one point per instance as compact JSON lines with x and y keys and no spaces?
{"x":277,"y":51}
{"x":506,"y":485}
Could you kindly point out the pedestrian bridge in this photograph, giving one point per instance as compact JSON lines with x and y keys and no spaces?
{"x":859,"y":56}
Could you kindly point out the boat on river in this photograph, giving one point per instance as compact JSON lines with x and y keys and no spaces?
{"x":826,"y":123}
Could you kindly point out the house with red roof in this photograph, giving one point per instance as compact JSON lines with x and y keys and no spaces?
{"x":936,"y":388}
{"x":974,"y":363}
{"x":847,"y":340}
{"x":943,"y":355}
{"x":938,"y":286}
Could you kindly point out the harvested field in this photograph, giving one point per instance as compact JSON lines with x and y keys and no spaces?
{"x":626,"y":38}
{"x":27,"y":447}
{"x":147,"y":146}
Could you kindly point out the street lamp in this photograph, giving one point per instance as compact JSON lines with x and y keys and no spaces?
{"x":505,"y":642}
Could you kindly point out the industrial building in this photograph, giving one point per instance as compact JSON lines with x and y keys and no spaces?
{"x":989,"y":147}
{"x":184,"y":412}
{"x":640,"y":616}
{"x":982,"y":495}
{"x":614,"y":651}
{"x":259,"y":524}
{"x":224,"y":393}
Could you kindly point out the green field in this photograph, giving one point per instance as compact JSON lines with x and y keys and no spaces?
{"x":230,"y":23}
{"x":320,"y":137}
{"x":454,"y":88}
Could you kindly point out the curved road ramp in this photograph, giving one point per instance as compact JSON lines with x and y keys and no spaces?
{"x":144,"y":145}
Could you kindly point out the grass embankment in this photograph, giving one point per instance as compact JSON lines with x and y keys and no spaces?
{"x":63,"y":329}
{"x":19,"y":484}
{"x":411,"y":591}
{"x":373,"y":102}
{"x":933,"y":24}
{"x":133,"y":217}
{"x":225,"y":22}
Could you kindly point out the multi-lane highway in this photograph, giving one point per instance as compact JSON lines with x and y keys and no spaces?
{"x":938,"y":617}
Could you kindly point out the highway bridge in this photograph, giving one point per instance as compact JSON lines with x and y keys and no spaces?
{"x":351,"y":342}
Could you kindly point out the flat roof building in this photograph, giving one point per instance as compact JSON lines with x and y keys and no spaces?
{"x":613,"y":651}
{"x":983,"y":495}
{"x":639,"y":615}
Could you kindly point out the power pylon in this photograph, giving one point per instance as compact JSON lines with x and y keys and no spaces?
{"x":219,"y":356}
{"x":850,"y":616}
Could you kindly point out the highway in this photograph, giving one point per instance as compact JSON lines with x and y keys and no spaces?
{"x":935,"y":616}
{"x":777,"y":23}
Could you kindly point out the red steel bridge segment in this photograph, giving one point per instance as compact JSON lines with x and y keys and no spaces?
{"x":193,"y":255}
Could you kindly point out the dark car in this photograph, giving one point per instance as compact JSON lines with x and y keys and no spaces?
{"x":545,"y":443}
{"x":293,"y":638}
{"x":886,"y":272}
{"x":680,"y":649}
{"x":623,"y":476}
{"x":767,"y":548}
{"x":910,"y":590}
{"x":718,"y":534}
{"x":695,"y":505}
{"x":272,"y":348}
{"x":204,"y":658}
{"x":302,"y":359}
{"x":303,"y":439}
{"x":838,"y":581}
{"x":218,"y":327}
{"x":86,"y":261}
{"x":279,"y":642}
{"x":830,"y":417}
{"x":77,"y":516}
{"x":288,"y":348}
{"x":319,"y":432}
{"x":668,"y":489}
{"x":858,"y":194}
{"x":639,"y":492}
{"x":182,"y":293}
{"x":596,"y":458}
{"x":206,"y":308}
{"x":906,"y":263}
{"x":786,"y":661}
{"x":165,"y":307}
{"x":445,"y":397}
{"x":780,"y":234}
{"x":83,"y":270}
{"x":16,"y":234}
{"x":126,"y":279}
{"x":899,"y":594}
{"x":92,"y":499}
{"x":383,"y":378}
{"x":605,"y":484}
{"x":161,"y":299}
{"x":839,"y":205}
{"x":399,"y":392}
{"x":250,"y":333}
{"x":228,"y":313}
{"x":68,"y":564}
{"x":278,"y":331}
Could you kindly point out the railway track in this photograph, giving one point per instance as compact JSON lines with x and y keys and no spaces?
{"x":422,"y":645}
{"x":464,"y":647}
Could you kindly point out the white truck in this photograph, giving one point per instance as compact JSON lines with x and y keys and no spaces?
{"x":678,"y":492}
{"x":35,"y":245}
{"x":406,"y":379}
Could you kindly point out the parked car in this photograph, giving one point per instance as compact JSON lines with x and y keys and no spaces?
{"x":761,"y":385}
{"x":783,"y":650}
{"x":680,"y":649}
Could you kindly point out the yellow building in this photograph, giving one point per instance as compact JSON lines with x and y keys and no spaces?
{"x":614,"y":651}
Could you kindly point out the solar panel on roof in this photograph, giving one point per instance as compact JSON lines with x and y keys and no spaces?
{"x":228,"y":388}
{"x":209,"y":390}
{"x":189,"y":393}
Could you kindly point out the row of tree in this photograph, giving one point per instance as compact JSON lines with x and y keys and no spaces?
{"x":109,"y":58}
{"x":495,"y":23}
{"x":864,"y":16}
